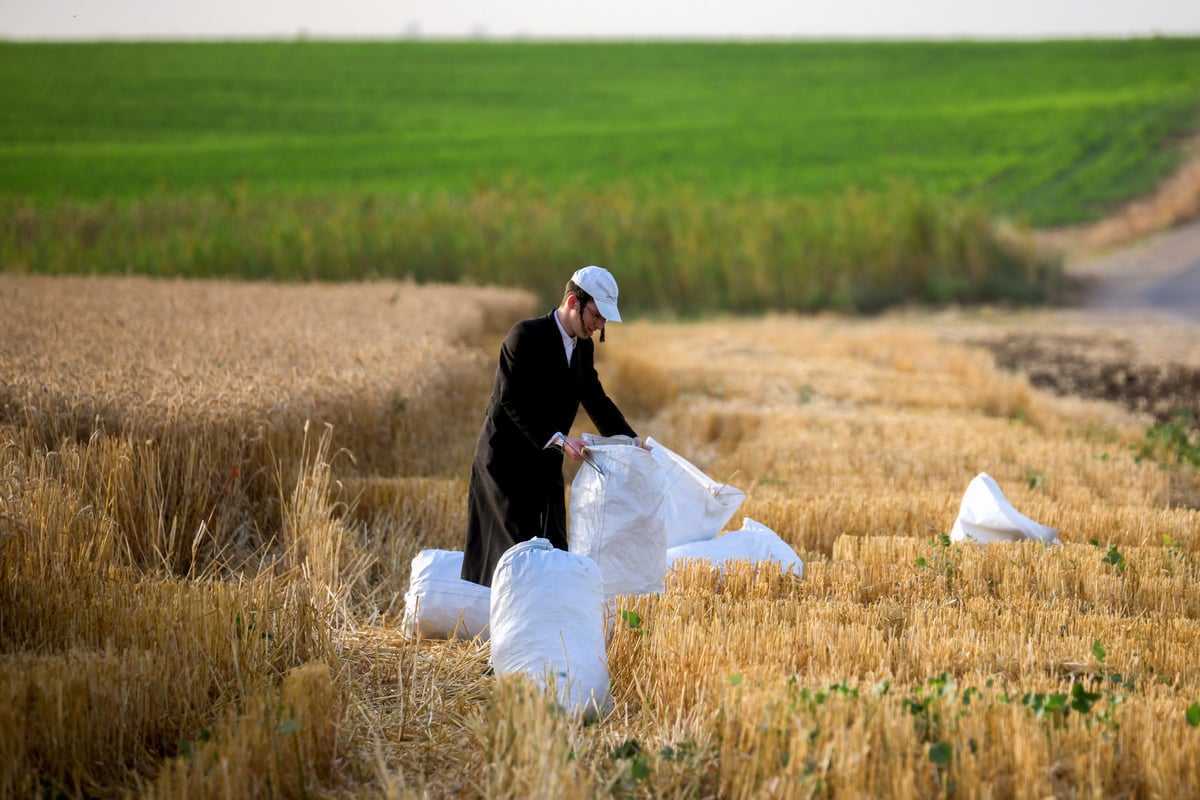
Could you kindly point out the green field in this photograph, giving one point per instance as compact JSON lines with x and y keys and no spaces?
{"x":290,"y":133}
{"x":1054,"y":132}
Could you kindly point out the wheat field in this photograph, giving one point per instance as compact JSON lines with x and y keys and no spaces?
{"x":211,"y":493}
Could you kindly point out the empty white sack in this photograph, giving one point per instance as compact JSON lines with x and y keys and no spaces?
{"x":986,"y":516}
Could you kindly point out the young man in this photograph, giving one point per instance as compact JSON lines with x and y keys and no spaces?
{"x":544,"y":373}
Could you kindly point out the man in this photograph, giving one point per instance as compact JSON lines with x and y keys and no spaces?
{"x":545,"y":372}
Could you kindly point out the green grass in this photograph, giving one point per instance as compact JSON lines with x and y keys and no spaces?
{"x":1050,"y":132}
{"x":735,"y":176}
{"x":678,"y":250}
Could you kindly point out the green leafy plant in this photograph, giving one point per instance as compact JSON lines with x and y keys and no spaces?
{"x":1175,"y":557}
{"x":633,"y":758}
{"x":1173,"y":439}
{"x":1114,"y":557}
{"x":941,"y":560}
{"x":187,"y":747}
{"x":681,"y":751}
{"x":1034,"y":479}
{"x":1081,"y":699}
{"x":927,"y":705}
{"x":1042,"y":703}
{"x":806,"y":699}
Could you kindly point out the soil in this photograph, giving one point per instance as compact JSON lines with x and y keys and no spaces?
{"x":1132,"y":335}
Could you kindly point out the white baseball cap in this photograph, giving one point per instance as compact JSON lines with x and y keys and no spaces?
{"x":602,"y":286}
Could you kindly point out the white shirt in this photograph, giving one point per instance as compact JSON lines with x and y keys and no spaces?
{"x":567,"y":339}
{"x":569,"y":347}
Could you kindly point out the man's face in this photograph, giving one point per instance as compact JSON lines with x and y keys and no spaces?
{"x":588,"y":319}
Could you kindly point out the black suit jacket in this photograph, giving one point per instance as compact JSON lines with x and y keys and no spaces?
{"x":516,"y":489}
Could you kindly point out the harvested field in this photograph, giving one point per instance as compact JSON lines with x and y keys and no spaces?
{"x":211,"y":493}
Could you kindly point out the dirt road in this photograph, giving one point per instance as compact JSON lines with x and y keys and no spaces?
{"x":1158,"y":275}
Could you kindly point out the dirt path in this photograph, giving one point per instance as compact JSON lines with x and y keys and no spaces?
{"x":1159,"y":275}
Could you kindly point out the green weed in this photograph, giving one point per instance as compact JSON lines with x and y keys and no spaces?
{"x":1175,"y":440}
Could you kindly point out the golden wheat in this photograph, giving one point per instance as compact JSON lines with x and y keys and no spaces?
{"x":210,"y":496}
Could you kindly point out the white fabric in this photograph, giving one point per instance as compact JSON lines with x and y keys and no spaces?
{"x":986,"y":516}
{"x":547,"y":623}
{"x":439,"y":604}
{"x":617,"y":519}
{"x":695,"y":507}
{"x":753,"y":542}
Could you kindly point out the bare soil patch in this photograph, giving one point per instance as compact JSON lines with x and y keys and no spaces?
{"x":1101,"y":367}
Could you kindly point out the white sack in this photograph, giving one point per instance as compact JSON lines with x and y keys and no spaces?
{"x":696,"y":507}
{"x":439,"y":604}
{"x":986,"y":516}
{"x":753,"y":542}
{"x":547,"y":622}
{"x":617,"y":518}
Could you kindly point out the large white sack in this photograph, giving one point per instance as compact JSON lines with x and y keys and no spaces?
{"x":986,"y":516}
{"x":753,"y":542}
{"x":547,"y":622}
{"x":439,"y":604}
{"x":617,"y":518}
{"x":695,"y":507}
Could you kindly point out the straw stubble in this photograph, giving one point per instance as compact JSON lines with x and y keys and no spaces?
{"x":210,"y":495}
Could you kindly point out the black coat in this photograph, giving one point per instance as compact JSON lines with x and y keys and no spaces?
{"x":516,"y":489}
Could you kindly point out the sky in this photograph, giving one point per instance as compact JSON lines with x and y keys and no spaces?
{"x":606,"y":19}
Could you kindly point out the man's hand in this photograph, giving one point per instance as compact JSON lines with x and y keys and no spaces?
{"x":573,"y":448}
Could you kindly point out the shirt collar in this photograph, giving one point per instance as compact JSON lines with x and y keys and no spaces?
{"x":567,"y":340}
{"x":566,"y":337}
